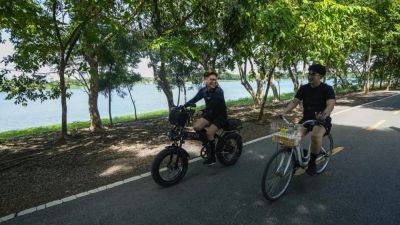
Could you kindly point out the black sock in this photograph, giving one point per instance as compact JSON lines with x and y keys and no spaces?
{"x":212,"y":147}
{"x":203,"y":136}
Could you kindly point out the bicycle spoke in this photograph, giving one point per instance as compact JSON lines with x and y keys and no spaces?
{"x":273,"y":185}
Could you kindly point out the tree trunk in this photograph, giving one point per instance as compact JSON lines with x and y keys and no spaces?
{"x":184,"y":92}
{"x":163,"y":82}
{"x":335,"y":82}
{"x":63,"y":89}
{"x":303,"y":74}
{"x":259,"y":92}
{"x":270,"y":74}
{"x":133,"y":102}
{"x":295,"y":80}
{"x":95,"y":119}
{"x":246,"y":83}
{"x":109,"y":106}
{"x":179,"y":95}
{"x":389,"y":83}
{"x":279,"y":90}
{"x":343,"y":79}
{"x":274,"y":89}
{"x":373,"y":81}
{"x":343,"y":82}
{"x":260,"y":81}
{"x":368,"y":72}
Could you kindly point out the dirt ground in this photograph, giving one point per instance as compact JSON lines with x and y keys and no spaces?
{"x":38,"y":169}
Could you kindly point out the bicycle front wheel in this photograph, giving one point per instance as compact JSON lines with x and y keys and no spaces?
{"x":169,"y":166}
{"x":277,"y":174}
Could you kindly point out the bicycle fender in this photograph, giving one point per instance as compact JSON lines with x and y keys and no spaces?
{"x":179,"y":149}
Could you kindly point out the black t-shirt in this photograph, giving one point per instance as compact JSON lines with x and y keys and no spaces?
{"x":314,"y":99}
{"x":215,"y":102}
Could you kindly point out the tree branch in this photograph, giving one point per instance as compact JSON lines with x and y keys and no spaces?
{"x":58,"y":34}
{"x":112,"y":34}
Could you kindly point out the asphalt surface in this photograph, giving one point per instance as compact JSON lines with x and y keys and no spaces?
{"x":361,"y":185}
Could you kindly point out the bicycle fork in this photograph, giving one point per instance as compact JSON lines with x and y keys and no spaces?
{"x":284,"y":164}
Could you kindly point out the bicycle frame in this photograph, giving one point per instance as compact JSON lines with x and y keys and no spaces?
{"x":178,"y":135}
{"x":297,"y":157}
{"x":296,"y":153}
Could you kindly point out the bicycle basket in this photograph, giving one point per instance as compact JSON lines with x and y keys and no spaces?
{"x":178,"y":117}
{"x":285,"y":134}
{"x":277,"y":125}
{"x":285,"y":139}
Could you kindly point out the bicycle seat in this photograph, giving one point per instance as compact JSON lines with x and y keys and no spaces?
{"x":232,"y":124}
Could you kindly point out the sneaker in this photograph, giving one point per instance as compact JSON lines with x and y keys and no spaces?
{"x":311,"y":169}
{"x":210,"y":161}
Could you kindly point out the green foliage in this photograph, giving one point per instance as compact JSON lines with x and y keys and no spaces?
{"x":355,"y":39}
{"x":23,"y":88}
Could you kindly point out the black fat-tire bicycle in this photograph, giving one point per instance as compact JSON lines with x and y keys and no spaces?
{"x":171,"y":164}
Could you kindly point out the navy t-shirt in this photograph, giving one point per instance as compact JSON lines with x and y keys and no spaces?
{"x":314,"y":99}
{"x":215,"y":102}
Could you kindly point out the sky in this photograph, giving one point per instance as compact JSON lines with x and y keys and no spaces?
{"x":7,"y":48}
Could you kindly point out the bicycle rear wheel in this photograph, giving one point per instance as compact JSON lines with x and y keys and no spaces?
{"x":277,"y":174}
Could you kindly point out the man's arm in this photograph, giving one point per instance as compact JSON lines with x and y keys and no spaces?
{"x":292,"y":104}
{"x":330,"y":104}
{"x":196,"y":98}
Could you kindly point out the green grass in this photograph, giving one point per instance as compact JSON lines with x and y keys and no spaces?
{"x":143,"y":116}
{"x":77,"y":125}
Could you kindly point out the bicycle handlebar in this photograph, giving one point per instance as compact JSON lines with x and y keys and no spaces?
{"x":307,"y":122}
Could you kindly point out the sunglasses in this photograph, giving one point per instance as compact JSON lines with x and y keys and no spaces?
{"x":312,"y":74}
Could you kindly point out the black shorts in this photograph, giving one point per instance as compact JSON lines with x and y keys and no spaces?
{"x":327,"y":125}
{"x":218,"y":122}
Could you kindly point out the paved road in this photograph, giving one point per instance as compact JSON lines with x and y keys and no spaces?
{"x":361,"y":186}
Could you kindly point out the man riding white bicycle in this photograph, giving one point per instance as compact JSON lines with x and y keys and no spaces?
{"x":318,"y":102}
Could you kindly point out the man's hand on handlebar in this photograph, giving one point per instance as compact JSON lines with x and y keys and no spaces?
{"x":281,"y":114}
{"x":321,"y":116}
{"x":189,"y":105}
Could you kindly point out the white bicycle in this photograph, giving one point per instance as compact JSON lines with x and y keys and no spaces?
{"x":289,"y":157}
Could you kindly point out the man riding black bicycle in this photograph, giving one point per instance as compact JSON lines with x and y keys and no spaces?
{"x":214,"y":115}
{"x":318,"y":102}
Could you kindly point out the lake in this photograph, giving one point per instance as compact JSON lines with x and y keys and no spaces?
{"x":147,"y":97}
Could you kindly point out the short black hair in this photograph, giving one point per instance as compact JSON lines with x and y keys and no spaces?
{"x":318,"y":68}
{"x":209,"y":73}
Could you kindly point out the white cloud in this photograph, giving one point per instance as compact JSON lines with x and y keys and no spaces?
{"x":143,"y":68}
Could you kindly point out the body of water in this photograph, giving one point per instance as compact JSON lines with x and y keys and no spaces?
{"x":147,"y":97}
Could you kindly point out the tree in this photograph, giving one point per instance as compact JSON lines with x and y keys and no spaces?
{"x":114,"y":60}
{"x":116,"y":19}
{"x":129,"y":82}
{"x":179,"y":28}
{"x":45,"y":34}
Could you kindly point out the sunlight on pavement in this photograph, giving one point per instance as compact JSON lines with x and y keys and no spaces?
{"x":376,"y":125}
